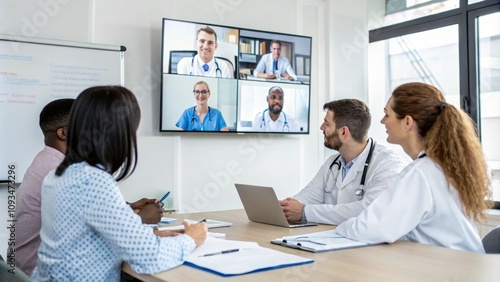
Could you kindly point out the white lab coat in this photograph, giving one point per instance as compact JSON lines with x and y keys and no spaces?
{"x":193,"y":66}
{"x":341,"y":203}
{"x":268,"y":125}
{"x":419,"y":206}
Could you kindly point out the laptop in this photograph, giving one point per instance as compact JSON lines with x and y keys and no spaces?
{"x":262,"y":205}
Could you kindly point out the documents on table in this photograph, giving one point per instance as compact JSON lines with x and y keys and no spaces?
{"x":229,"y":257}
{"x":210,"y":222}
{"x":216,"y":235}
{"x":163,"y":220}
{"x":319,"y":242}
{"x":166,"y":220}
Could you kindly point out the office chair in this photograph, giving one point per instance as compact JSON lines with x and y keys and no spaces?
{"x":176,"y":56}
{"x":17,"y":276}
{"x":491,"y":242}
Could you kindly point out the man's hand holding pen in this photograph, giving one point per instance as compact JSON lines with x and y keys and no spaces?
{"x":150,"y":210}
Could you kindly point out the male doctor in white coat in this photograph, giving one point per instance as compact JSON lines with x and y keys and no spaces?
{"x":204,"y":63}
{"x":274,"y":119}
{"x":335,"y":194}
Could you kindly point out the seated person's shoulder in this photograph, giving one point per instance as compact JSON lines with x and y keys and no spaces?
{"x":183,"y":65}
{"x":88,"y":172}
{"x":294,"y":125}
{"x":390,"y":155}
{"x":215,"y":111}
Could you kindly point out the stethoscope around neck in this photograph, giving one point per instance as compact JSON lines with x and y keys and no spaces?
{"x":201,"y":123}
{"x":285,"y":128}
{"x":360,"y":191}
{"x":218,"y":72}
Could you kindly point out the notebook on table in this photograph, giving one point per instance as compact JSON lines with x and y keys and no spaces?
{"x":319,"y":242}
{"x":230,"y":258}
{"x":262,"y":205}
{"x":211,"y":223}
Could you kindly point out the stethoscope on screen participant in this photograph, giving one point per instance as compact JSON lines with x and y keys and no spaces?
{"x":204,"y":63}
{"x":273,"y":118}
{"x":201,"y":117}
{"x":198,"y":126}
{"x":285,"y":128}
{"x":218,"y":72}
{"x":360,"y":191}
{"x":206,"y":45}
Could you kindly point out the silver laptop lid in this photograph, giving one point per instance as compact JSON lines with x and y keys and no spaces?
{"x":262,"y":205}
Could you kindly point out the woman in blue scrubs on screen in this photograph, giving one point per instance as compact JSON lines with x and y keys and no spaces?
{"x":201,"y":117}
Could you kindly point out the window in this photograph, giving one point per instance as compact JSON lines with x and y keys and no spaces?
{"x":454,"y":46}
{"x":398,"y":11}
{"x":488,"y":47}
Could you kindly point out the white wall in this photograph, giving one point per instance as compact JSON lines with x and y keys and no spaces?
{"x":200,"y":169}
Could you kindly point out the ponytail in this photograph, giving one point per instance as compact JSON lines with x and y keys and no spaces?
{"x":453,"y":143}
{"x":450,"y":139}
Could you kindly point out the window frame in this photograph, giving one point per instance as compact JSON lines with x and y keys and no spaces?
{"x":465,"y":17}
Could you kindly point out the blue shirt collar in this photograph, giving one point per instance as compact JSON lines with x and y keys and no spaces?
{"x":349,"y":165}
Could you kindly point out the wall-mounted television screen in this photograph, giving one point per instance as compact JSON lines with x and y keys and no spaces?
{"x":231,"y":79}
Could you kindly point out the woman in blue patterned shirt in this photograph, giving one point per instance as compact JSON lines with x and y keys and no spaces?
{"x":88,"y":229}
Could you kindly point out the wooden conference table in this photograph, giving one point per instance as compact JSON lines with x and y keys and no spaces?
{"x":400,"y":261}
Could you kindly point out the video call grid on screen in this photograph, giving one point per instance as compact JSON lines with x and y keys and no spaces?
{"x":242,"y":98}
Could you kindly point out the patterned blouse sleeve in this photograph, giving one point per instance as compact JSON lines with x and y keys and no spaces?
{"x":109,"y":215}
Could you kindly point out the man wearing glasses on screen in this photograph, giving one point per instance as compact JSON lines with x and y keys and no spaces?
{"x":273,"y":65}
{"x":273,"y":119}
{"x":204,"y":63}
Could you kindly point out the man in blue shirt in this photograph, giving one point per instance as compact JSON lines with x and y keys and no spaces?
{"x":273,"y":63}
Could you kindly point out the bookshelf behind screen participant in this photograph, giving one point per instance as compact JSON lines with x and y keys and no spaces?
{"x":273,"y":63}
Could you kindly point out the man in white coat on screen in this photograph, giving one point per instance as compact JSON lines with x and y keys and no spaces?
{"x":273,"y":119}
{"x":204,"y":63}
{"x":352,"y":178}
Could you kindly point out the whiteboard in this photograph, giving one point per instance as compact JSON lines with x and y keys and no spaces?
{"x":34,"y":72}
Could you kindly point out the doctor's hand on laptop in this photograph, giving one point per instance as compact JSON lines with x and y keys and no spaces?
{"x":261,"y":205}
{"x":292,"y":209}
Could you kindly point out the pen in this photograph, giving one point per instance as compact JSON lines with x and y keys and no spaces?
{"x":164,"y":197}
{"x":221,"y":252}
